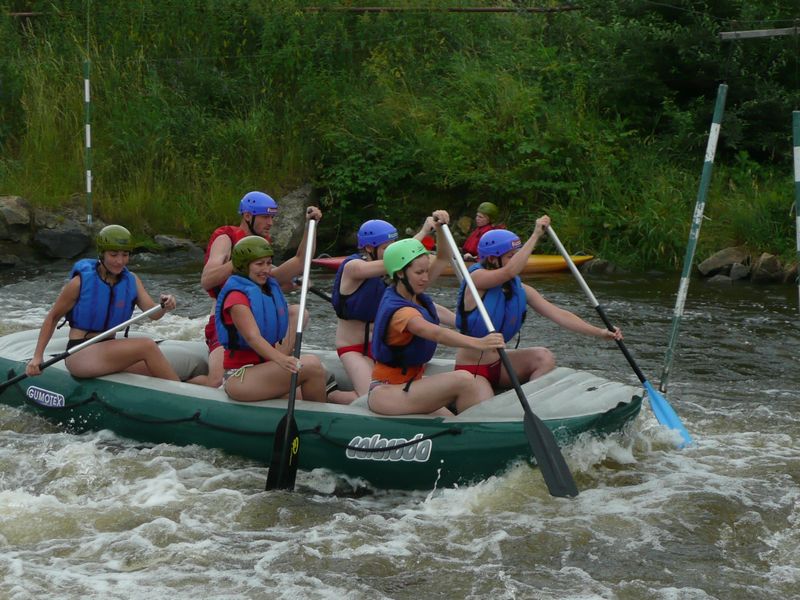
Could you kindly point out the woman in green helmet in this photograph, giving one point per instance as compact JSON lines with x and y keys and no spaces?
{"x":100,"y":294}
{"x":406,"y":333}
{"x":485,"y":220}
{"x":252,"y":322}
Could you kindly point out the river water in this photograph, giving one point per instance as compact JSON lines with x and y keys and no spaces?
{"x":98,"y":516}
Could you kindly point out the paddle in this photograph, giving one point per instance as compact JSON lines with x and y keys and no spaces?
{"x":314,"y":290}
{"x":665,"y":414}
{"x":285,"y":452}
{"x":543,"y":444}
{"x":86,"y":344}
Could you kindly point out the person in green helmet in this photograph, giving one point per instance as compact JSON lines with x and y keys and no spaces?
{"x":100,"y":294}
{"x":485,"y":220}
{"x":258,"y":211}
{"x":406,"y":333}
{"x":252,"y":321}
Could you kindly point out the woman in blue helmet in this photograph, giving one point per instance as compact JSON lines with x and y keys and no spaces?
{"x":357,"y":290}
{"x":502,"y":257}
{"x":405,"y":337}
{"x":100,"y":294}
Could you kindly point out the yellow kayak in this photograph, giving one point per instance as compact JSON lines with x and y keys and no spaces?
{"x":537,"y":263}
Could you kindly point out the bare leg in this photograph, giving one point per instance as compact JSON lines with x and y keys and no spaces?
{"x":359,"y":370}
{"x":529,"y":363}
{"x":215,"y":370}
{"x":115,"y":356}
{"x":268,"y":381}
{"x":430,"y":394}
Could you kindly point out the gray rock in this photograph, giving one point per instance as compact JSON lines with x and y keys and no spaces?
{"x":767,"y":269}
{"x":287,"y":231}
{"x":790,"y":274}
{"x":67,"y":240}
{"x":722,"y":260}
{"x":15,"y":219}
{"x":169,"y":242}
{"x":8,"y":260}
{"x":599,"y":266}
{"x":720,"y":280}
{"x":739,"y":271}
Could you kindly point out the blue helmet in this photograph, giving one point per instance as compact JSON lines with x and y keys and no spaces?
{"x":375,"y":233}
{"x":258,"y":203}
{"x":497,"y":242}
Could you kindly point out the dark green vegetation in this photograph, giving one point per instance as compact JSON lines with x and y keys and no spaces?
{"x":598,"y":116}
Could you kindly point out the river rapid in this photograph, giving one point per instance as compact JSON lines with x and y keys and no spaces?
{"x":97,"y":516}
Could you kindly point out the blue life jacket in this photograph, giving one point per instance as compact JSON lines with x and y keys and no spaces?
{"x":362,"y":304}
{"x":268,"y":306}
{"x":417,"y":352}
{"x":101,"y":306}
{"x":506,"y":309}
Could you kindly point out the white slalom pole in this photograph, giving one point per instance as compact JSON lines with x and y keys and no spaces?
{"x":796,"y":135}
{"x":694,"y":233}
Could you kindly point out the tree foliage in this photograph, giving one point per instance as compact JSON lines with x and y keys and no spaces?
{"x":599,"y":115}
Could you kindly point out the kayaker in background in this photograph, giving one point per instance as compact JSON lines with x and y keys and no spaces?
{"x":407,"y":332}
{"x":100,"y":294}
{"x":502,"y":258}
{"x":357,"y":290}
{"x":258,"y":212}
{"x":252,"y":322}
{"x":485,"y":219}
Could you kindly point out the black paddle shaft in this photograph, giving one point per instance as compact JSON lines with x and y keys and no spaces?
{"x":552,"y":464}
{"x":628,"y":356}
{"x":282,"y":471}
{"x":23,"y":375}
{"x":541,"y":440}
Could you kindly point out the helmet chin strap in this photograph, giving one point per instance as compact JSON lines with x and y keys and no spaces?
{"x":405,"y":283}
{"x":105,"y":267}
{"x":250,"y":224}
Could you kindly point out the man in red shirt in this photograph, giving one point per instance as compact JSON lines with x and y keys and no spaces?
{"x":258,"y":211}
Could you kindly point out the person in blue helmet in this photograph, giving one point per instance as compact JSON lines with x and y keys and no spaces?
{"x":502,"y":256}
{"x":357,"y":290}
{"x":100,"y":294}
{"x":406,"y":334}
{"x":258,"y":212}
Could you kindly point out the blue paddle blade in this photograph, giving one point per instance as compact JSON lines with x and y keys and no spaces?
{"x":665,"y":414}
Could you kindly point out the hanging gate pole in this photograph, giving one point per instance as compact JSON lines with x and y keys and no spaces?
{"x":796,"y":135}
{"x":694,"y":233}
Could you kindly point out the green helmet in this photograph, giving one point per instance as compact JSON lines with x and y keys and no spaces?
{"x":247,"y":250}
{"x":490,"y":210}
{"x":399,"y":254}
{"x":113,"y":237}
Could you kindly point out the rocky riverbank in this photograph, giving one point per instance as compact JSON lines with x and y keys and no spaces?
{"x":30,"y":234}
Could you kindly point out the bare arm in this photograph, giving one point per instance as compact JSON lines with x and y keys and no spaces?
{"x":358,"y":270}
{"x":446,"y":316}
{"x":485,"y":279}
{"x":449,"y":337}
{"x":294,"y":266}
{"x":65,"y":301}
{"x":248,"y":328}
{"x":145,"y":302}
{"x":565,"y":318}
{"x":219,"y":266}
{"x":443,"y":256}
